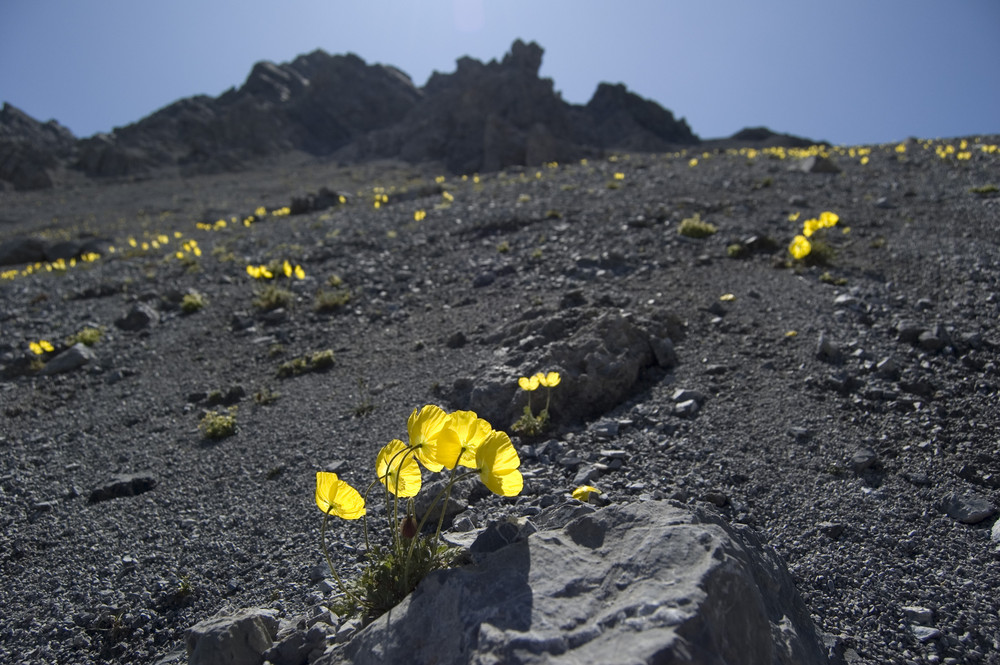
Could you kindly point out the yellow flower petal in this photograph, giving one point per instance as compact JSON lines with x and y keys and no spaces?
{"x":583,"y":492}
{"x":471,"y":431}
{"x":810,"y":226}
{"x":552,"y":379}
{"x":335,"y":497}
{"x":800,"y":247}
{"x":423,"y":428}
{"x":397,"y":469}
{"x":828,"y":219}
{"x":36,"y":348}
{"x":528,"y":384}
{"x":299,"y":272}
{"x":497,"y":462}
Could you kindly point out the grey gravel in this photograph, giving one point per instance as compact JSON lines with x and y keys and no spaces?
{"x":231,"y":523}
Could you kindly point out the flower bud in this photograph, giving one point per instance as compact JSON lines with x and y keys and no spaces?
{"x":408,"y":527}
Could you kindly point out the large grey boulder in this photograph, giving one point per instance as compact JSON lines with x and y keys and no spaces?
{"x":237,"y":639}
{"x":600,"y":355}
{"x":652,"y":582}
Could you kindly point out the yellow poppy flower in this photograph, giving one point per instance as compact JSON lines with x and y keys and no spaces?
{"x":800,"y":247}
{"x":550,"y":380}
{"x":335,"y":497}
{"x":424,"y":428}
{"x":397,"y":470}
{"x":497,"y":462}
{"x":810,"y":226}
{"x":471,"y":431}
{"x":529,"y":384}
{"x":299,"y":272}
{"x":828,"y":219}
{"x":287,"y":268}
{"x":583,"y":492}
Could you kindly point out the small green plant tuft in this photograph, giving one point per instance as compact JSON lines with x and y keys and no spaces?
{"x":331,"y":301}
{"x":985,"y":190}
{"x":503,"y":247}
{"x":89,"y":336}
{"x":694,"y":227}
{"x":218,"y":424}
{"x":737,"y":251}
{"x":265,"y":396}
{"x":272,"y":297}
{"x":192,"y":302}
{"x":314,"y":362}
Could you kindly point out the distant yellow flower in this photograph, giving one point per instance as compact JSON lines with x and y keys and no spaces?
{"x":864,"y":160}
{"x":396,"y":468}
{"x":693,"y":162}
{"x":529,"y":384}
{"x":828,"y":219}
{"x":286,"y":267}
{"x":550,"y":380}
{"x":419,"y":215}
{"x":794,"y":217}
{"x":810,"y":226}
{"x":619,"y":176}
{"x":299,"y":272}
{"x":791,"y":333}
{"x":901,"y":148}
{"x":439,"y":179}
{"x":447,"y":196}
{"x":800,"y":247}
{"x":335,"y":497}
{"x":40,"y":347}
{"x":583,"y":492}
{"x":497,"y":462}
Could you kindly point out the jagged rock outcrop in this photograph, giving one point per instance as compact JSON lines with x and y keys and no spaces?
{"x":316,"y":104}
{"x":30,"y":150}
{"x":650,"y":582}
{"x":481,"y":117}
{"x":484,"y":117}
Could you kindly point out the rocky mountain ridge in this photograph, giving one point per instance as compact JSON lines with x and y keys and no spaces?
{"x":481,"y":117}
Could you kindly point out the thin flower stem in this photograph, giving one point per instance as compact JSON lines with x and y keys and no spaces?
{"x":329,"y":562}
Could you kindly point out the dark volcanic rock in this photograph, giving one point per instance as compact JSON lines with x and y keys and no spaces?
{"x":122,"y":486}
{"x":29,"y":149}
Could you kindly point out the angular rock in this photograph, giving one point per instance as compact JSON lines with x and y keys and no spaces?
{"x":75,"y":356}
{"x":22,"y":250}
{"x":140,"y":316}
{"x":816,"y":164}
{"x":638,"y":583}
{"x":236,"y":639}
{"x":121,"y":486}
{"x":968,"y":508}
{"x":863,"y":459}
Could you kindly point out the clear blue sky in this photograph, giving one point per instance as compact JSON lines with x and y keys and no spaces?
{"x":849,"y":71}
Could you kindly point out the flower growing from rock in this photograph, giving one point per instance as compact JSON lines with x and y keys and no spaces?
{"x":460,"y":442}
{"x":529,"y":423}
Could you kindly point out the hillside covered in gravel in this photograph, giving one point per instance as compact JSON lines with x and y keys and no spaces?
{"x":843,"y":405}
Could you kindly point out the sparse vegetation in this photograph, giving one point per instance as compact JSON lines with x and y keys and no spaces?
{"x":89,"y":336}
{"x":272,"y":297}
{"x":192,"y":302}
{"x":694,"y":227}
{"x":218,"y":424}
{"x":315,"y":362}
{"x":331,"y":301}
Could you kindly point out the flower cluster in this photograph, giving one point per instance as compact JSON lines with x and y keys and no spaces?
{"x":801,"y":246}
{"x":529,"y":423}
{"x":40,"y":347}
{"x":461,"y":442}
{"x":264,"y":272}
